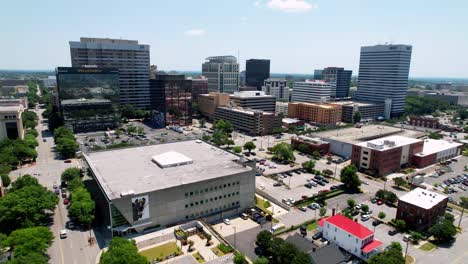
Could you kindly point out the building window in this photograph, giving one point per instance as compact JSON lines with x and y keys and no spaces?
{"x":220,"y":197}
{"x":238,"y":182}
{"x":196,"y":203}
{"x":186,"y":217}
{"x":229,"y":184}
{"x":211,"y":189}
{"x":237,"y":202}
{"x":201,"y":202}
{"x":224,"y":185}
{"x":186,"y":206}
{"x":237,"y":193}
{"x":191,"y":204}
{"x":186,"y":194}
{"x":206,"y":189}
{"x":191,"y":193}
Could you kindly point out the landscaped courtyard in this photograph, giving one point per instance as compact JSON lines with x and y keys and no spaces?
{"x":162,"y":251}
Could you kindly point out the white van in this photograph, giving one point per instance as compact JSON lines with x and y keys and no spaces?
{"x":276,"y":227}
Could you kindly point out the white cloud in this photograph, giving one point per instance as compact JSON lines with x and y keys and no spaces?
{"x":291,"y":6}
{"x":195,"y":32}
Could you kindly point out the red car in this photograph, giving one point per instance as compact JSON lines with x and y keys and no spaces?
{"x":304,"y":196}
{"x":379,"y":202}
{"x":66,"y":201}
{"x":67,"y":161}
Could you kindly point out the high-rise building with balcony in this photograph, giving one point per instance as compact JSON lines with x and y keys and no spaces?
{"x":128,"y":56}
{"x":222,"y":73}
{"x":383,"y":76}
{"x":277,"y":87}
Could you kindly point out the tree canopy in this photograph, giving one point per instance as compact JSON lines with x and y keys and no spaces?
{"x":82,"y":207}
{"x":279,"y":251}
{"x":309,"y":165}
{"x":27,"y":240}
{"x":394,"y":255}
{"x":349,"y":178}
{"x":249,"y":146}
{"x":122,"y":251}
{"x":25,"y":205}
{"x":70,"y":174}
{"x":283,"y":151}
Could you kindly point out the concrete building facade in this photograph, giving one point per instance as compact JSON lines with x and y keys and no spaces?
{"x":222,"y":73}
{"x":323,"y":114}
{"x":368,"y":111}
{"x":207,"y":103}
{"x":11,"y":122}
{"x":277,"y":87}
{"x":249,"y":121}
{"x":424,"y":121}
{"x":256,"y":100}
{"x":420,"y":208}
{"x":313,"y":144}
{"x":282,"y":108}
{"x":383,"y":75}
{"x":312,"y":91}
{"x":128,"y":56}
{"x":162,"y":185}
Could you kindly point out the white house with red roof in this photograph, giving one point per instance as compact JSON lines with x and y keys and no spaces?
{"x":350,"y":235}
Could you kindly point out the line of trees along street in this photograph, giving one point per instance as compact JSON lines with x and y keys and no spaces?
{"x":82,"y":206}
{"x":65,"y":142}
{"x":24,"y":212}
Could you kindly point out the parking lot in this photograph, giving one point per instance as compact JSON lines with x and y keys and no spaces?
{"x":99,"y":140}
{"x":457,"y":169}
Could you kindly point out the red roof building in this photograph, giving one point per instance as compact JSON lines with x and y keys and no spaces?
{"x":350,"y":235}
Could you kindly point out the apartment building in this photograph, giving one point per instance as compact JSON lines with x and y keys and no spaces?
{"x":256,"y":100}
{"x":312,"y":91}
{"x":277,"y":87}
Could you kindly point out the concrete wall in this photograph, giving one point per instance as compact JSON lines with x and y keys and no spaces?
{"x":175,"y":205}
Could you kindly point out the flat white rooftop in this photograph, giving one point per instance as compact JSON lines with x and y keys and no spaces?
{"x":132,"y":170}
{"x":423,"y":198}
{"x":432,"y":146}
{"x":248,"y":94}
{"x":290,"y":120}
{"x":387,"y":143}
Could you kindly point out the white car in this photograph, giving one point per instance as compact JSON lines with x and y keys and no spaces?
{"x":227,"y":221}
{"x":63,"y":233}
{"x":365,"y":217}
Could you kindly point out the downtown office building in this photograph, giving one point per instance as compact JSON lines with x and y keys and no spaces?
{"x":383,"y":76}
{"x":128,"y":56}
{"x":256,"y":72}
{"x":222,"y":73}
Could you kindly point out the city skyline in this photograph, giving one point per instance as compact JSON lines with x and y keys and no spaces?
{"x":296,"y":36}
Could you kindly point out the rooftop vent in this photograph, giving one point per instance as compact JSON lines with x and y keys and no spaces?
{"x":171,"y":159}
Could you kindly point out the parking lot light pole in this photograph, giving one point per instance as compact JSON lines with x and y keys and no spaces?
{"x":406,"y":251}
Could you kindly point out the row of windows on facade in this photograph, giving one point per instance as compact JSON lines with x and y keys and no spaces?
{"x":212,"y":210}
{"x":215,"y":188}
{"x":10,"y":117}
{"x":212,"y":199}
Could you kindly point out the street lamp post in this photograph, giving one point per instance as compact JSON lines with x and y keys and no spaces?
{"x":406,"y":251}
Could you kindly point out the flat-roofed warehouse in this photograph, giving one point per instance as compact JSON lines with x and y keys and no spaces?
{"x":342,"y":140}
{"x":161,"y":185}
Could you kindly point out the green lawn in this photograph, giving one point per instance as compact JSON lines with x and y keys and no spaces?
{"x":198,"y":257}
{"x":161,"y":251}
{"x":312,"y":226}
{"x":217,"y":251}
{"x":428,"y":246}
{"x":261,"y":204}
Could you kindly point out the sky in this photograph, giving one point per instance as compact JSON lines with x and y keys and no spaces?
{"x":298,"y":36}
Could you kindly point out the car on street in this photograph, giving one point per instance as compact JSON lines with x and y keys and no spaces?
{"x":314,"y":206}
{"x":63,"y":233}
{"x":392,"y":232}
{"x":55,"y":186}
{"x":227,"y":221}
{"x":406,"y":238}
{"x":67,"y":161}
{"x":57,"y":191}
{"x":376,"y":222}
{"x":364,"y":182}
{"x":276,"y":184}
{"x":358,"y":206}
{"x":365,"y":217}
{"x":317,"y":235}
{"x":44,"y":140}
{"x":303,"y":208}
{"x":66,"y":201}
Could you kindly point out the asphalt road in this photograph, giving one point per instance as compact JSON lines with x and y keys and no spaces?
{"x":75,"y":248}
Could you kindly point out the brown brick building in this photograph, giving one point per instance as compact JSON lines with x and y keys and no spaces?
{"x":420,"y":208}
{"x":313,"y":144}
{"x":207,"y":103}
{"x":425,"y":121}
{"x":387,"y":155}
{"x":324,"y":114}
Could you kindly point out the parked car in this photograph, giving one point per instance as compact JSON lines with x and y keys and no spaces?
{"x":308,"y":185}
{"x":317,"y":235}
{"x":66,"y":201}
{"x":276,"y":184}
{"x":44,"y":140}
{"x":57,"y":191}
{"x":303,"y":208}
{"x":392,"y":232}
{"x":365,"y":217}
{"x":55,"y":186}
{"x":244,"y":216}
{"x":67,"y":161}
{"x":406,"y":238}
{"x":376,"y":222}
{"x":227,"y":221}
{"x":380,"y":202}
{"x":373,"y":200}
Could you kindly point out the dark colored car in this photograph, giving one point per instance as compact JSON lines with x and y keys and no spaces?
{"x":392,"y":232}
{"x":308,"y":185}
{"x":276,"y":184}
{"x":321,"y":183}
{"x":373,"y":200}
{"x":317,"y":236}
{"x":376,"y":222}
{"x":325,"y":180}
{"x":67,"y":161}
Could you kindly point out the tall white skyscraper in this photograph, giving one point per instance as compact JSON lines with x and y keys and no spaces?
{"x":131,"y":58}
{"x":383,"y":76}
{"x":222,"y":73}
